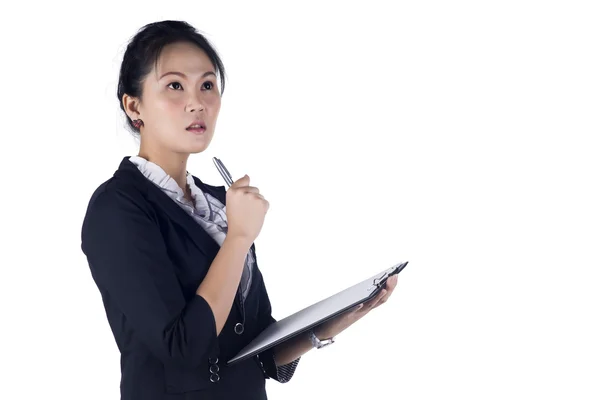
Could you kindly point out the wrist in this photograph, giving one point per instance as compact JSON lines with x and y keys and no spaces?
{"x":238,"y":241}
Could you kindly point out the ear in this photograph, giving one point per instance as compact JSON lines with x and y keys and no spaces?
{"x":131,"y":106}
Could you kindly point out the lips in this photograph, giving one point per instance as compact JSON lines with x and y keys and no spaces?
{"x":197,"y":125}
{"x":196,"y":130}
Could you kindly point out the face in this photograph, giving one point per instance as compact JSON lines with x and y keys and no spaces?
{"x":181,"y":89}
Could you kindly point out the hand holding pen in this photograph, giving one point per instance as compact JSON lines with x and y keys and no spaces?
{"x":246,"y":207}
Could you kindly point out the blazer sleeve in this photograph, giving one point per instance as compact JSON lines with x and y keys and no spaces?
{"x":283,"y":373}
{"x":129,"y":263}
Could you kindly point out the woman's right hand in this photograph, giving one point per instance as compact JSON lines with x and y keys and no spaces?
{"x":246,"y":210}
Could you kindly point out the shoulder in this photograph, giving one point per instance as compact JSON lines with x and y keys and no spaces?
{"x":116,"y":194}
{"x":126,"y":185}
{"x":116,"y":204}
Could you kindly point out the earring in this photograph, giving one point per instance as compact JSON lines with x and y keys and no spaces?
{"x":137,"y":123}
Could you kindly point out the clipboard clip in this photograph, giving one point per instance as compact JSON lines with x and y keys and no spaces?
{"x":380,"y":281}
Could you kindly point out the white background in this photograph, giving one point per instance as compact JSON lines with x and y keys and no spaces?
{"x":461,"y":136}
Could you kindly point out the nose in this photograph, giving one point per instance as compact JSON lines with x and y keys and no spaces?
{"x":195,"y":104}
{"x":197,"y":107}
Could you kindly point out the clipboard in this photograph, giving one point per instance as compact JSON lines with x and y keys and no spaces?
{"x":314,"y":315}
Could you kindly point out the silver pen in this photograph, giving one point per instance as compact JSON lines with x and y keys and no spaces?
{"x":223,"y":171}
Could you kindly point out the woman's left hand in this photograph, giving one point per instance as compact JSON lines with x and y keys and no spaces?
{"x":336,"y":325}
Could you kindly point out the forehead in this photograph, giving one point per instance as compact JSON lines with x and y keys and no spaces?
{"x":183,"y":57}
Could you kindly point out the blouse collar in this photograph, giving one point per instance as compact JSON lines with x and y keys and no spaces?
{"x":160,"y":178}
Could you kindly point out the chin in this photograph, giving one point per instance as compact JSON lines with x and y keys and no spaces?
{"x":193,"y":145}
{"x":197,"y":147}
{"x":197,"y":150}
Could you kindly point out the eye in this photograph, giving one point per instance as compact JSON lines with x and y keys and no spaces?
{"x":177,"y":83}
{"x":210,"y":85}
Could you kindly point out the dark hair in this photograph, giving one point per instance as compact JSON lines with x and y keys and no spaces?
{"x":144,"y":50}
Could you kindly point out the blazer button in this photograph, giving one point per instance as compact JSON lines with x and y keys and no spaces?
{"x":214,"y":369}
{"x":239,"y":328}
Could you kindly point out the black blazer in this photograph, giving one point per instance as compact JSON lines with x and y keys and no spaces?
{"x":147,"y":257}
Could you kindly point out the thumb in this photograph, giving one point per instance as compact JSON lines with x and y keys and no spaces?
{"x":243,"y":181}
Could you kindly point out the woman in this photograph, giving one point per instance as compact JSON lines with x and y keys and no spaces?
{"x":176,"y":268}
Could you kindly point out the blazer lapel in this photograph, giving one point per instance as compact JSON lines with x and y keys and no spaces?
{"x":218,"y":192}
{"x":205,"y":243}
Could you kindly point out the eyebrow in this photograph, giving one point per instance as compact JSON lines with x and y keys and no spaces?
{"x":183,"y":75}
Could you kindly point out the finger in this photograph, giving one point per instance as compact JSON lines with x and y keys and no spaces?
{"x":358,"y":314}
{"x":261,"y":197}
{"x":250,"y":189}
{"x":385,"y":298}
{"x":378,"y":299}
{"x":391,"y":290}
{"x":369,"y":304}
{"x":392,"y":282}
{"x":386,"y":294}
{"x":374,"y":300}
{"x":358,"y":307}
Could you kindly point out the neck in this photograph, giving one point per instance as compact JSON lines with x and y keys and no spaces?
{"x":174,"y":164}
